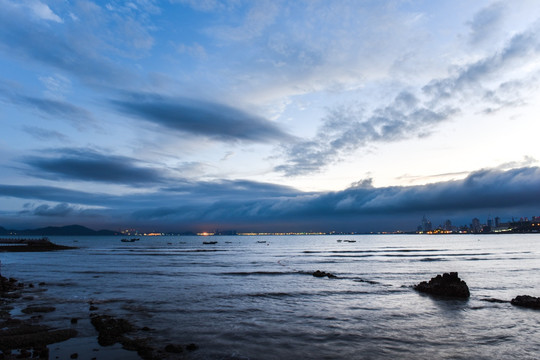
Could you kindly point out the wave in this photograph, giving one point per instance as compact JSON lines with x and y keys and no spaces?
{"x":433,"y":259}
{"x":265,"y":273}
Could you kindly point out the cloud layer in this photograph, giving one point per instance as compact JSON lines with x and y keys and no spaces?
{"x":251,"y":205}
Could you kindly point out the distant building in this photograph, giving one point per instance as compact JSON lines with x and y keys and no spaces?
{"x":426,"y":224}
{"x":476,"y":227}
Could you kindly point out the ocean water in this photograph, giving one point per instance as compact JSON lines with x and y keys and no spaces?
{"x":255,"y":298}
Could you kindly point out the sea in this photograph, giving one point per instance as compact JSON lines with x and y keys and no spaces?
{"x":254,"y":297}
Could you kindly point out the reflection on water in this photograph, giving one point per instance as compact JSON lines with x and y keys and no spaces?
{"x":240,"y":298}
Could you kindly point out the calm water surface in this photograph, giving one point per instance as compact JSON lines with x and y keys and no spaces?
{"x":244,"y":299}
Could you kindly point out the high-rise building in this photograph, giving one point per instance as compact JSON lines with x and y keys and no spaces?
{"x":426,"y":224}
{"x":475,"y":226}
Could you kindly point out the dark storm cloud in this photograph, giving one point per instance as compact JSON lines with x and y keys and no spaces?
{"x":89,"y":165}
{"x":232,"y":188}
{"x":201,"y":118}
{"x":485,"y":191}
{"x":245,"y":204}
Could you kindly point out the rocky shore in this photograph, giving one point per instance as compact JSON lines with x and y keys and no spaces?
{"x":26,"y":337}
{"x":26,"y":334}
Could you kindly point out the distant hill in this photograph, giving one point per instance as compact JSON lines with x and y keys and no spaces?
{"x":70,"y":230}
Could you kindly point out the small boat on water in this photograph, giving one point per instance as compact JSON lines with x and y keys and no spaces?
{"x":209,"y":242}
{"x":130,"y":240}
{"x":261,"y":241}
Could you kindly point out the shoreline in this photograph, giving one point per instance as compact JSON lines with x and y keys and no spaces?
{"x":32,"y":327}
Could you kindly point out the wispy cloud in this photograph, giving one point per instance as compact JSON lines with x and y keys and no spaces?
{"x":42,"y":11}
{"x":416,"y":112}
{"x":51,"y":108}
{"x":44,"y":134}
{"x":487,"y":23}
{"x":347,"y":129}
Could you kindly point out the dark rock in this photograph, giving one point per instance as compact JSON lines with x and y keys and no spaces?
{"x":25,"y":336}
{"x":7,"y":285}
{"x":38,"y":309}
{"x":74,"y":356}
{"x":110,"y":329}
{"x":138,"y":345}
{"x":526,"y":301}
{"x":321,"y":274}
{"x":93,"y":308}
{"x":174,"y":348}
{"x":43,"y":353}
{"x":146,"y":328}
{"x":191,"y":347}
{"x":448,"y":285}
{"x":74,"y":320}
{"x":24,"y":354}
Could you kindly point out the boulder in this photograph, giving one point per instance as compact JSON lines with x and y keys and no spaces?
{"x":447,"y":285}
{"x":526,"y":301}
{"x":110,"y":329}
{"x":321,"y":274}
{"x":171,"y":348}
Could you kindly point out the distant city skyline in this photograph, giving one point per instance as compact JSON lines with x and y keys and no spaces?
{"x":267,"y":115}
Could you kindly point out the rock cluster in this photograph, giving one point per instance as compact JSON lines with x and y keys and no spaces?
{"x":526,"y":301}
{"x":25,"y":336}
{"x":447,"y":285}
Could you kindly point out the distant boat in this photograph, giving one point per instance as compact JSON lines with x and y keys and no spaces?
{"x":130,"y":240}
{"x":209,"y":242}
{"x":262,"y":241}
{"x":350,"y":241}
{"x":339,"y":240}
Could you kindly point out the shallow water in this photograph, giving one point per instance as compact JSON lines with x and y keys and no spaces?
{"x":241,"y":299}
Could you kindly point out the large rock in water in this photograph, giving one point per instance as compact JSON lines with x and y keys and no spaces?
{"x":449,"y":285}
{"x":526,"y":301}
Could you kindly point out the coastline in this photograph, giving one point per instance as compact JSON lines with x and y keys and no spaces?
{"x":28,"y":332}
{"x":35,"y":327}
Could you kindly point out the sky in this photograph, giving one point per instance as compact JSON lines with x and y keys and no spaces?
{"x":319,"y":115}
